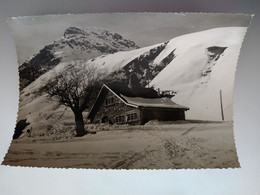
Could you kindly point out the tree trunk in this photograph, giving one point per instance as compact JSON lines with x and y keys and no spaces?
{"x":79,"y":124}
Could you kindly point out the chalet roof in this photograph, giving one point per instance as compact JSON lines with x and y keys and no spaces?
{"x":137,"y":92}
{"x":144,"y":97}
{"x":153,"y":102}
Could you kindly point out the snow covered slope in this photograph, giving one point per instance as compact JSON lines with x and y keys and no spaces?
{"x":48,"y":118}
{"x":205,"y":62}
{"x":195,"y":66}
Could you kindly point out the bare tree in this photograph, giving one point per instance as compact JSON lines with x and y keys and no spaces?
{"x":73,"y":87}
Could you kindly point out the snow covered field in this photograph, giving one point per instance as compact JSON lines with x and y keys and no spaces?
{"x":156,"y":145}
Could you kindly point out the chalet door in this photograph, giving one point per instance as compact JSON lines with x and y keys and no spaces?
{"x":105,"y":119}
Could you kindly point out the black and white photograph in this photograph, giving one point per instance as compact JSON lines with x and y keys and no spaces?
{"x":126,"y":90}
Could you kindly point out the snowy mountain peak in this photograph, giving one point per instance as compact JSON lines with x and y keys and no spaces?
{"x":76,"y":44}
{"x":99,"y":36}
{"x":73,"y":31}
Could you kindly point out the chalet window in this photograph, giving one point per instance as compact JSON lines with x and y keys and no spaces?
{"x":110,"y":101}
{"x":135,"y":115}
{"x":120,"y":119}
{"x":132,"y":117}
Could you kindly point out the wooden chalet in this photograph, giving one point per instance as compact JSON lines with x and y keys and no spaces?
{"x":123,"y":105}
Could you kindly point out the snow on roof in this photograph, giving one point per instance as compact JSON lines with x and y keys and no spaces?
{"x":153,"y":102}
{"x":137,"y":92}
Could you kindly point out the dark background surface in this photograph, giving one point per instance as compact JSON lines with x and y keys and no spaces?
{"x":21,"y":180}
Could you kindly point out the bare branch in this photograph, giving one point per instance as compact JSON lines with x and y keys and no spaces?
{"x":73,"y":88}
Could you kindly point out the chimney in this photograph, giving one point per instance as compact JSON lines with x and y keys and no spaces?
{"x":130,"y":85}
{"x":133,"y":81}
{"x":158,"y":91}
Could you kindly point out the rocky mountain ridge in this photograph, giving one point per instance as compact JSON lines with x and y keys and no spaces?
{"x":76,"y":44}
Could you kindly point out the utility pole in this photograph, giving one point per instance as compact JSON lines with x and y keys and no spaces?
{"x":221,"y":105}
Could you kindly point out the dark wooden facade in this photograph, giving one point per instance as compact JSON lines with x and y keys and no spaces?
{"x":112,"y":108}
{"x":161,"y":114}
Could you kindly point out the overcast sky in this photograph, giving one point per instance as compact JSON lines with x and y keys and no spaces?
{"x":32,"y":33}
